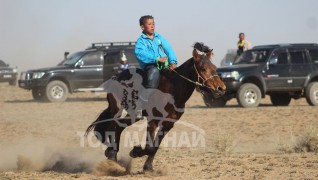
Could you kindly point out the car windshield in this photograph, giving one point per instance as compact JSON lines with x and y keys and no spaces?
{"x":72,"y":59}
{"x":252,"y":56}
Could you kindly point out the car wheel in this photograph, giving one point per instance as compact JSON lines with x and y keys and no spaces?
{"x":210,"y":101}
{"x":280,"y":99}
{"x":37,"y":94}
{"x":56,"y":91}
{"x":248,"y":95}
{"x":311,"y":93}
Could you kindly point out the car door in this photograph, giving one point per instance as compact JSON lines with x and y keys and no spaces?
{"x":300,"y":67}
{"x":89,"y":71}
{"x":313,"y":53}
{"x":111,"y":64}
{"x":112,"y":61}
{"x":277,"y":75}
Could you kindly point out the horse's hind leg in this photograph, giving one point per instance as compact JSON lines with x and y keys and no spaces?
{"x":105,"y":130}
{"x":102,"y":125}
{"x":112,"y":150}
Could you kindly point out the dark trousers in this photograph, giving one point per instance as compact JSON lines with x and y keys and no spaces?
{"x":153,"y":75}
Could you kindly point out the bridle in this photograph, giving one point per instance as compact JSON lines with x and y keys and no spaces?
{"x":197,"y":83}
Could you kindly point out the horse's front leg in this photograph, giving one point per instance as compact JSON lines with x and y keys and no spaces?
{"x":137,"y":151}
{"x":162,"y":131}
{"x":152,"y":143}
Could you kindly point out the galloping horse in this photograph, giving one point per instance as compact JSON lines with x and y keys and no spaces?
{"x":196,"y":73}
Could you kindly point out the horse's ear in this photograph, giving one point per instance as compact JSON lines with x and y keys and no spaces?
{"x":195,"y":55}
{"x":210,"y":54}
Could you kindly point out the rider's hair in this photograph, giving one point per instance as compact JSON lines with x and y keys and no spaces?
{"x":144,"y":19}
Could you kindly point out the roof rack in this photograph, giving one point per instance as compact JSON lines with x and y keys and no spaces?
{"x":287,"y":45}
{"x":107,"y":45}
{"x":304,"y":44}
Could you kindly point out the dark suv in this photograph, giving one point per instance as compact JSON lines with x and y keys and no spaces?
{"x":8,"y":74}
{"x":81,"y":71}
{"x":282,"y":71}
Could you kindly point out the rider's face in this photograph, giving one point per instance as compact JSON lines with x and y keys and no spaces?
{"x":149,"y":27}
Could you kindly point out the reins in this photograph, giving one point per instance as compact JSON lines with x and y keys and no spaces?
{"x":196,"y":83}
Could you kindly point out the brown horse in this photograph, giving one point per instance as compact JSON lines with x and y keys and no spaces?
{"x":197,"y":72}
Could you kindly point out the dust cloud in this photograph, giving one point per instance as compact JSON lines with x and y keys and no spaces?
{"x":34,"y":155}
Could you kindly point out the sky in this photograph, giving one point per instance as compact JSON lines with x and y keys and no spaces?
{"x":36,"y":33}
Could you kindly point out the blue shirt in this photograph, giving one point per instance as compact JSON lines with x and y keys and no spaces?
{"x":148,"y":50}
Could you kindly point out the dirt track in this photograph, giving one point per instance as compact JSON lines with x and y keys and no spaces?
{"x":43,"y":141}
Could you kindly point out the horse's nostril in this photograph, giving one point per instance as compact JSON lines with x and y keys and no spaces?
{"x":220,"y":88}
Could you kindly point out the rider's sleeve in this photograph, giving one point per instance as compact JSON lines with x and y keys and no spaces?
{"x":142,"y":52}
{"x":169,"y":51}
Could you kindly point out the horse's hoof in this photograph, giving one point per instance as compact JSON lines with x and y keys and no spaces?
{"x":148,"y":168}
{"x":111,"y":155}
{"x":136,"y":152}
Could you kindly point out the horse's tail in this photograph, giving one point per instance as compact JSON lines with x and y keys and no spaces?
{"x":104,"y":115}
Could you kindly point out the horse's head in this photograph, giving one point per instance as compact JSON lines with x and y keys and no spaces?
{"x":208,"y":79}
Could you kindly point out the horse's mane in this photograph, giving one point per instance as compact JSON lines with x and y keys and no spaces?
{"x":187,"y":64}
{"x":201,"y":47}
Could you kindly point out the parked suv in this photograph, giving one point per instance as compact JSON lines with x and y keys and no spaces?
{"x":8,"y":74}
{"x":81,"y":71}
{"x":282,"y":71}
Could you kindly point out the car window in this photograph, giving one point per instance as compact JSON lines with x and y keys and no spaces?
{"x":73,"y":58}
{"x":282,"y":58}
{"x":252,"y":56}
{"x":314,"y":55}
{"x":297,"y":57}
{"x":92,"y":59}
{"x":112,"y":57}
{"x":130,"y":54}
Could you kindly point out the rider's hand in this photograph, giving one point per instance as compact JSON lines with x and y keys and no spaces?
{"x":173,"y":66}
{"x":162,"y":60}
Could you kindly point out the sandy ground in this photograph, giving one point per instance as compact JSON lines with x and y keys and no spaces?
{"x":45,"y":141}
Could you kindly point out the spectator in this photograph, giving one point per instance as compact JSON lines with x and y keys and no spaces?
{"x":242,"y":44}
{"x":123,"y":64}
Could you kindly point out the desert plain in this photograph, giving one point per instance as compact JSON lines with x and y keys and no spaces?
{"x":40,"y":140}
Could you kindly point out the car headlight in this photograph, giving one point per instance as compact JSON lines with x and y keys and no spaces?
{"x":37,"y":75}
{"x":233,"y":74}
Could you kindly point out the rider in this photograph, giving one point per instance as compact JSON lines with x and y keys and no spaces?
{"x":154,"y":53}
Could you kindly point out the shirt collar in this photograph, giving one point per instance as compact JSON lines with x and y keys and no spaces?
{"x":145,"y":36}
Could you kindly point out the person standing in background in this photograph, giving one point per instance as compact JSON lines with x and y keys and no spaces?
{"x":123,"y":63}
{"x":242,"y":44}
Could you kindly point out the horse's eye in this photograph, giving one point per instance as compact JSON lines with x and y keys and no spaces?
{"x":203,"y":70}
